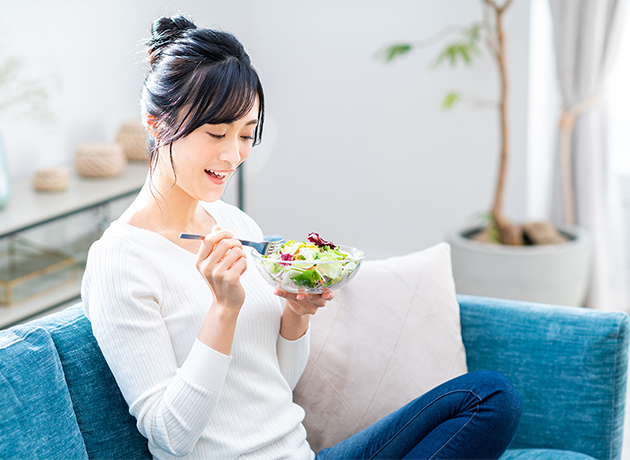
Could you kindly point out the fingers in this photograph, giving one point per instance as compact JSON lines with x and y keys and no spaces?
{"x":210,"y":241}
{"x":322,"y":298}
{"x":327,"y":294}
{"x":235,"y":260}
{"x":303,"y":303}
{"x":222,"y":261}
{"x":216,"y":246}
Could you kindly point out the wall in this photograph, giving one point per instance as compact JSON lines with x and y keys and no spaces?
{"x":91,"y":54}
{"x":363,"y":152}
{"x":353,"y":148}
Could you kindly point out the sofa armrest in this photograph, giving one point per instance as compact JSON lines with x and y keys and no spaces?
{"x":568,"y":364}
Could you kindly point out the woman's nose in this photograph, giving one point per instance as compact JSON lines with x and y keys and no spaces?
{"x":230,"y":152}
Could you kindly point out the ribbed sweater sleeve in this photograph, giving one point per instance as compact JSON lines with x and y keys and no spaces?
{"x":293,"y":356}
{"x":122,"y":297}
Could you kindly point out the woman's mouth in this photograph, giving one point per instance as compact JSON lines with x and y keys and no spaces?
{"x":216,"y":177}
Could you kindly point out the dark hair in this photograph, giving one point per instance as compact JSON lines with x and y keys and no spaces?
{"x":197,"y":76}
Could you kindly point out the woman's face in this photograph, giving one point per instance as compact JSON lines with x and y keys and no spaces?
{"x":206,"y":158}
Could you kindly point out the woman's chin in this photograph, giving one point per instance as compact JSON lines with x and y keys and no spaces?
{"x":211,"y":196}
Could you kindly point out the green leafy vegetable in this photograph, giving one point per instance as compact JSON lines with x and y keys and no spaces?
{"x":312,"y":264}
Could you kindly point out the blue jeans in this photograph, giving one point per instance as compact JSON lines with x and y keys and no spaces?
{"x":473,"y":416}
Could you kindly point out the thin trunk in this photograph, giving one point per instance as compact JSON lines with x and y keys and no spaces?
{"x":508,"y":232}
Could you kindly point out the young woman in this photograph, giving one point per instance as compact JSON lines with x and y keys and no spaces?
{"x":204,"y":352}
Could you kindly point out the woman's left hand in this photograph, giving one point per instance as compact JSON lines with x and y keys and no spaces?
{"x":297,"y":310}
{"x":305,"y":304}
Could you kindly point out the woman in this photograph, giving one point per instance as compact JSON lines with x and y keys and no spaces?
{"x":203,"y":351}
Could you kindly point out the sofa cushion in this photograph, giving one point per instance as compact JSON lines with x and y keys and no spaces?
{"x":569,"y":365}
{"x":36,"y":417}
{"x":109,"y":430}
{"x":544,"y":454}
{"x":389,"y":336}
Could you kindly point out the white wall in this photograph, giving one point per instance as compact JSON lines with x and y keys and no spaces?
{"x":364,"y":154}
{"x":92,"y":54}
{"x":355,"y":149}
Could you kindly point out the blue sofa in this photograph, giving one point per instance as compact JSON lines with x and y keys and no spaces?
{"x":58,"y":399}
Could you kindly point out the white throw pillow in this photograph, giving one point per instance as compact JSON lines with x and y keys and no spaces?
{"x":389,"y":336}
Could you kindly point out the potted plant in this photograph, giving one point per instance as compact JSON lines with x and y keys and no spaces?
{"x":534,"y":261}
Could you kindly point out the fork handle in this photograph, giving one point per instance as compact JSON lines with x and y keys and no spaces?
{"x":194,"y":236}
{"x":191,"y":236}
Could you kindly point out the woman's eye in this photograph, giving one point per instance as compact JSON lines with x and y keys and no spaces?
{"x":217,"y":136}
{"x":248,"y":138}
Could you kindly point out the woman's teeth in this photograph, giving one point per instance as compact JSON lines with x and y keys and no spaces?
{"x":215,"y":174}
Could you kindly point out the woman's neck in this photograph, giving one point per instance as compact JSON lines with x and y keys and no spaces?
{"x":167,"y":211}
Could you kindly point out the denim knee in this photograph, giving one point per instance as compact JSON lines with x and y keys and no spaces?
{"x":503,"y":395}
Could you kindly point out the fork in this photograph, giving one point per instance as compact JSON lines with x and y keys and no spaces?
{"x":264,"y":247}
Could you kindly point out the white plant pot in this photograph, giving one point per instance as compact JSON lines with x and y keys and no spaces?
{"x":557,"y":274}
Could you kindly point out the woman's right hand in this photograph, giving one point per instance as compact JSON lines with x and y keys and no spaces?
{"x":222,"y":261}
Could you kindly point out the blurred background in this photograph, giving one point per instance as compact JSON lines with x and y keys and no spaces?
{"x":354,"y":148}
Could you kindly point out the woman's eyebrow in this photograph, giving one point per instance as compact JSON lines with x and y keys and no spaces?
{"x":251,"y":122}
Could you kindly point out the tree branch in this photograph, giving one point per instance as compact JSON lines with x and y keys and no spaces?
{"x":493,"y":4}
{"x":490,"y":30}
{"x":505,"y":6}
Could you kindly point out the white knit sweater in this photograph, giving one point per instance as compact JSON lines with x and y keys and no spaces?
{"x":146,"y":302}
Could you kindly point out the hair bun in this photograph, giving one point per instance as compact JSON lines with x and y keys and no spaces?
{"x":164,"y":32}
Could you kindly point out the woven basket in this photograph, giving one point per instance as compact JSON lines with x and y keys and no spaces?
{"x":100,"y":160}
{"x":133,"y":138}
{"x":53,"y":179}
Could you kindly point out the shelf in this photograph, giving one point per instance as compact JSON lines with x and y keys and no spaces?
{"x":28,"y":269}
{"x":29,"y":208}
{"x":40,"y":303}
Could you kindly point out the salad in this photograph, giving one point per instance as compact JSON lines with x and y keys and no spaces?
{"x":310,"y":265}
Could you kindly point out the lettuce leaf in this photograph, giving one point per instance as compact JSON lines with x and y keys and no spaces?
{"x":309,"y":279}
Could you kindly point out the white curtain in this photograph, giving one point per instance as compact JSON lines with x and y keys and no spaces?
{"x":586,"y":36}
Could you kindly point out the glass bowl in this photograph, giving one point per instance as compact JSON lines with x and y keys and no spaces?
{"x":311,"y":277}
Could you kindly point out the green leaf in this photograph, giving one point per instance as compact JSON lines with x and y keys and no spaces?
{"x":396,"y":51}
{"x":493,"y":234}
{"x":485,"y":217}
{"x":308,"y":279}
{"x":493,"y":230}
{"x":474,"y":32}
{"x":447,"y":53}
{"x":451,"y":99}
{"x":462,"y":50}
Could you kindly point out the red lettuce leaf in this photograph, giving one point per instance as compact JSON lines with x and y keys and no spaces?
{"x":319,"y":241}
